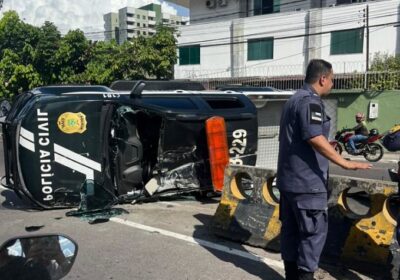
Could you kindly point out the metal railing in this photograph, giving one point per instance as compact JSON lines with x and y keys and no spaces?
{"x":385,"y":80}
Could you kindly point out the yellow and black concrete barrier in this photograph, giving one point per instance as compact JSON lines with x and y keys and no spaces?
{"x":361,"y":216}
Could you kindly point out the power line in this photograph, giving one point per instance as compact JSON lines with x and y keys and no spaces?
{"x":340,"y":14}
{"x":296,"y":3}
{"x":336,"y":15}
{"x":290,"y":36}
{"x":350,"y":15}
{"x":274,"y":31}
{"x":296,"y":54}
{"x":219,"y":15}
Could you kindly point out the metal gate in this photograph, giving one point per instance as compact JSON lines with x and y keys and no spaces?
{"x":269,"y":117}
{"x":331,"y":110}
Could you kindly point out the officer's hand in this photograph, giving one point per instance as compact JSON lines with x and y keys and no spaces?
{"x":354,"y":165}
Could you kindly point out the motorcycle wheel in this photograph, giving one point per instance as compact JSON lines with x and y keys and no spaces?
{"x":339,"y":149}
{"x":374,"y":152}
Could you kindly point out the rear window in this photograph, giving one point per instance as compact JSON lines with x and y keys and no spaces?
{"x":224,"y":103}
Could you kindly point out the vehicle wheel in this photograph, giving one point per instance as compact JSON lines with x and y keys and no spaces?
{"x":339,"y":149}
{"x":374,"y":152}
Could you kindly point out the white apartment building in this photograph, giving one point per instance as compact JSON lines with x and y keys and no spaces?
{"x":111,"y":25}
{"x":133,"y":22}
{"x":282,"y":43}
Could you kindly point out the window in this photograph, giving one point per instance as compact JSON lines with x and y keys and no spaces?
{"x":138,"y":24}
{"x":258,"y":49}
{"x":225,"y":103}
{"x":262,"y":7}
{"x":347,"y":41}
{"x":189,"y":55}
{"x":144,"y":17}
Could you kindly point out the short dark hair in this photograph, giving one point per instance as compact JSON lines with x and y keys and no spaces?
{"x":315,"y":69}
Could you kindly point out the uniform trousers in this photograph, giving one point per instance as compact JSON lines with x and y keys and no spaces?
{"x":304,"y":229}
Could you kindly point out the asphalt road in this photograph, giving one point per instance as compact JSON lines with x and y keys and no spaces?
{"x":379,"y":170}
{"x":160,"y":240}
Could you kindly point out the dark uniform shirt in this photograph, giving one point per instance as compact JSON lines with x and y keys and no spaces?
{"x":361,"y":128}
{"x":301,"y":169}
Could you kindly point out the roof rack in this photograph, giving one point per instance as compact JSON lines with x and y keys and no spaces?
{"x":122,"y":85}
{"x":60,"y":89}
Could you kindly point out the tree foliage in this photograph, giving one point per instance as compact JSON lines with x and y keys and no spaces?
{"x":33,"y":56}
{"x":387,"y":68}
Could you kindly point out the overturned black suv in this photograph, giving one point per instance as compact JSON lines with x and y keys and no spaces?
{"x":132,"y":140}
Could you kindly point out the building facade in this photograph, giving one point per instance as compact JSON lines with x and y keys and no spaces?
{"x":277,"y":44}
{"x":133,"y":22}
{"x":111,"y":25}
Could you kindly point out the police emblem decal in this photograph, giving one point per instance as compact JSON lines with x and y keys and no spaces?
{"x":70,"y":123}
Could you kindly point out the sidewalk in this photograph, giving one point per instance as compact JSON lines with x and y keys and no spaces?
{"x":388,"y":157}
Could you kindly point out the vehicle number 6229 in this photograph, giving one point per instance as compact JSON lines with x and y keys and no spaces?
{"x":239,"y":144}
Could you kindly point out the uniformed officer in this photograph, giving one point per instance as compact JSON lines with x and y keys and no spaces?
{"x":304,"y":154}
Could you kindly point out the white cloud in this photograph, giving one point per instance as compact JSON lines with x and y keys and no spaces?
{"x":86,"y":15}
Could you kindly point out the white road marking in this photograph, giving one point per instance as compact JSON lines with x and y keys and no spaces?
{"x":203,"y":243}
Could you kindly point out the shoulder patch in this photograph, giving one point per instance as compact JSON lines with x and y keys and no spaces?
{"x":315,"y":113}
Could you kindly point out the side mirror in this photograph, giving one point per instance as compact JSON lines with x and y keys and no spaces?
{"x":5,"y":107}
{"x":137,"y":89}
{"x":46,"y":257}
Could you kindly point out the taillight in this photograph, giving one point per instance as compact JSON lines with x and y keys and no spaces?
{"x":218,"y":150}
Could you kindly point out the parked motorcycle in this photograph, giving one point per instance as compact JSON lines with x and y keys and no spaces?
{"x":41,"y":257}
{"x":369,"y":149}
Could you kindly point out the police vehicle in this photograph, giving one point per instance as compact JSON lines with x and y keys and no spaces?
{"x":123,"y":142}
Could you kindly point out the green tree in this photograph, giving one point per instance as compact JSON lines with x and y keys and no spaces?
{"x":15,"y":34}
{"x":23,"y":79}
{"x":160,"y":56}
{"x":149,"y":57}
{"x":130,"y":60}
{"x":103,"y":67}
{"x":16,"y":77}
{"x":72,"y":55}
{"x":387,"y":68}
{"x":45,"y":51}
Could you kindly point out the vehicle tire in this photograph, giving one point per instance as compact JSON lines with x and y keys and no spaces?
{"x":339,"y":149}
{"x":374,"y":152}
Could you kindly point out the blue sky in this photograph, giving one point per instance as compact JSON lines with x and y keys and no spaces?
{"x":86,"y":15}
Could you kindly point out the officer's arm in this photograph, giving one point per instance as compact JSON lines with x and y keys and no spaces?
{"x":320,"y":144}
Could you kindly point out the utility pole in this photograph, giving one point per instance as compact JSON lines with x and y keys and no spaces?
{"x":366,"y":25}
{"x":367,"y":30}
